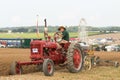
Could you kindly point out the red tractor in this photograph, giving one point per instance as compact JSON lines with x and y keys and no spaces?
{"x":45,"y":54}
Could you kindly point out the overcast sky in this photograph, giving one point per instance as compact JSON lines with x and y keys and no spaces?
{"x":59,"y":12}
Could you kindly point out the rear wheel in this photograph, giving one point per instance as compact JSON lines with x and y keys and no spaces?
{"x":48,"y":67}
{"x":15,"y":69}
{"x":74,"y":58}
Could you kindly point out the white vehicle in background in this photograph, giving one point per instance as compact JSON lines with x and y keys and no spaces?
{"x":2,"y":46}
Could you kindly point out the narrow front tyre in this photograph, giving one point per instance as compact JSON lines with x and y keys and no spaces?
{"x":48,"y":67}
{"x":15,"y":68}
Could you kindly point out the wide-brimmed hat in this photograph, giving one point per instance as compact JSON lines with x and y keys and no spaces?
{"x":61,"y":27}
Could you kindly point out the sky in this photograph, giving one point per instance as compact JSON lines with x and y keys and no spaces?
{"x":16,"y":13}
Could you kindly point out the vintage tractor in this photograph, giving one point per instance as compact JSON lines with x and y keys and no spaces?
{"x":45,"y":54}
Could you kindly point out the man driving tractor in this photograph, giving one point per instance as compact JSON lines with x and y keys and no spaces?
{"x":64,"y":39}
{"x":64,"y":36}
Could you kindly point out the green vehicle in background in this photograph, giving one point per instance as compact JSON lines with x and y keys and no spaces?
{"x":25,"y":43}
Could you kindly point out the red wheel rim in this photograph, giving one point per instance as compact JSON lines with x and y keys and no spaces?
{"x":76,"y":59}
{"x":49,"y":68}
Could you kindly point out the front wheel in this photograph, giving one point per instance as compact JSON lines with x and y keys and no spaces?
{"x":15,"y":69}
{"x":48,"y":67}
{"x":74,"y":58}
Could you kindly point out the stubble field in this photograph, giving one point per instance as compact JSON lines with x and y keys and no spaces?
{"x":8,"y":55}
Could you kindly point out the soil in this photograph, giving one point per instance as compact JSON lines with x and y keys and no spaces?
{"x":9,"y":55}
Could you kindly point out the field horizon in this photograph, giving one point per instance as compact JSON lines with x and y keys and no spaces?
{"x":34,"y":35}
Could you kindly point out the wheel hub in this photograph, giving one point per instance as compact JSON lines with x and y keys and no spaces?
{"x":76,"y":58}
{"x":49,"y":67}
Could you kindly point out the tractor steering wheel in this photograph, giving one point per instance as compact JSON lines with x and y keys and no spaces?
{"x":58,"y":36}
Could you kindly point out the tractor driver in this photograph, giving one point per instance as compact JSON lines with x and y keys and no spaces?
{"x":65,"y":35}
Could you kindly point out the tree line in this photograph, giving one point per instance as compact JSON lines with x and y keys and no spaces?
{"x":32,"y":29}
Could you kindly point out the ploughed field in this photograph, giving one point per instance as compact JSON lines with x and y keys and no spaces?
{"x":8,"y":55}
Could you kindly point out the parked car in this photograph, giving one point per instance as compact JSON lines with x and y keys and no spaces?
{"x":2,"y":46}
{"x":117,"y":48}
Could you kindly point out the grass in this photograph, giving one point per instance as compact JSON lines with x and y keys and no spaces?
{"x":34,"y":35}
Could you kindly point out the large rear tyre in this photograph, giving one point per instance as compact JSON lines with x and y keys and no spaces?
{"x":74,"y":58}
{"x":15,"y":69}
{"x":48,"y":67}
